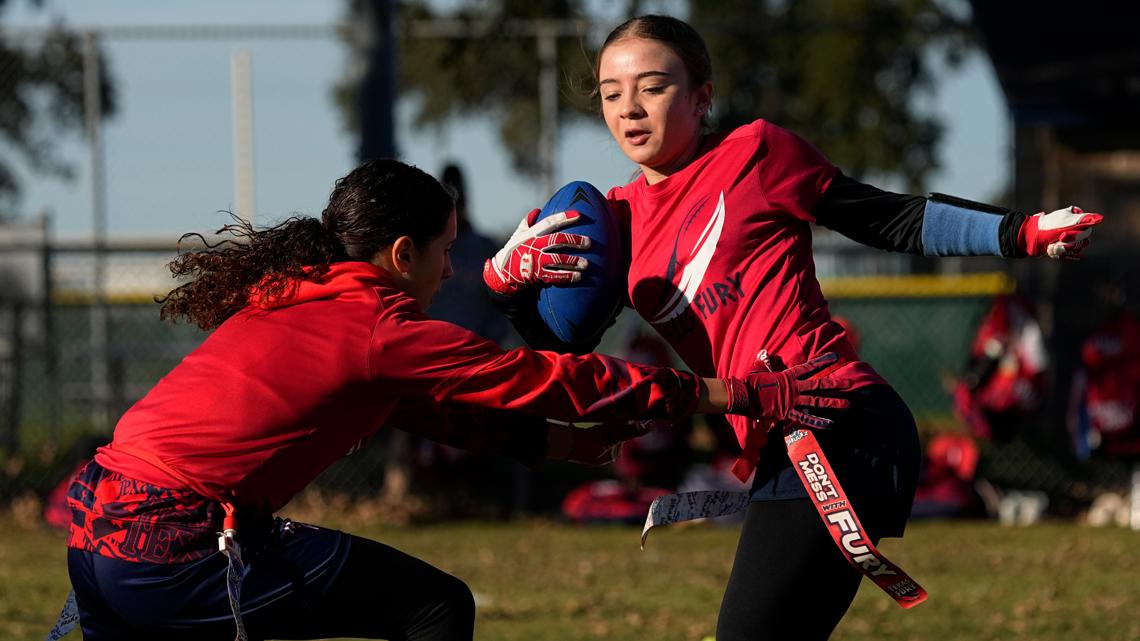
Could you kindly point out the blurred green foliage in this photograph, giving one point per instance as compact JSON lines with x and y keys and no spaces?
{"x":41,"y":96}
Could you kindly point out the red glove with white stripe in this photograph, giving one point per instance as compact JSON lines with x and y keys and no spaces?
{"x":1060,"y":234}
{"x":788,"y":395}
{"x":526,"y":259}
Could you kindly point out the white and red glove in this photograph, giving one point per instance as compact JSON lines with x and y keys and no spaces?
{"x":788,"y":395}
{"x":1059,"y":234}
{"x":526,"y":259}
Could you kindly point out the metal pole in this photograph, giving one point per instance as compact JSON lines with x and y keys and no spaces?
{"x":1134,"y":505}
{"x":16,"y":383}
{"x":51,"y":345}
{"x":242,"y":92}
{"x":377,"y":91}
{"x":547,"y":37}
{"x":100,"y":314}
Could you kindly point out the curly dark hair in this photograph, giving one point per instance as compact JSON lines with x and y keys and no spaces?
{"x":371,"y":207}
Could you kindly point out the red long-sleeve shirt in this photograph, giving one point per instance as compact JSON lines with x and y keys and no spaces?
{"x":721,"y":258}
{"x":276,"y":394}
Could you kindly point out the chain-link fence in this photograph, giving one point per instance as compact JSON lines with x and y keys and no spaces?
{"x":916,"y":331}
{"x":72,"y":363}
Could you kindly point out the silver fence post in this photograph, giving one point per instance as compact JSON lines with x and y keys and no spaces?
{"x":51,"y":344}
{"x":547,"y":36}
{"x":100,"y":314}
{"x":241,"y":91}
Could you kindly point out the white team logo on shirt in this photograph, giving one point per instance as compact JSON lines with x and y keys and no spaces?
{"x":696,"y":265}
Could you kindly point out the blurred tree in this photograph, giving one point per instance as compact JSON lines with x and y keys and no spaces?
{"x":842,"y":74}
{"x":41,"y":96}
{"x":494,"y":71}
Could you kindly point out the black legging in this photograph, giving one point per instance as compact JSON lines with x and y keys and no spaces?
{"x":789,"y":580}
{"x":383,"y":593}
{"x":314,"y":584}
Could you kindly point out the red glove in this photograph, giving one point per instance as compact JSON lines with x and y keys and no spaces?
{"x":1060,"y":234}
{"x":783,"y":396}
{"x":526,"y":259}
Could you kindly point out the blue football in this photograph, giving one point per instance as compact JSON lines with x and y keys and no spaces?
{"x":578,"y":312}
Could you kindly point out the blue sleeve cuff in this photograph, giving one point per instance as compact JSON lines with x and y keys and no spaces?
{"x":949,"y":230}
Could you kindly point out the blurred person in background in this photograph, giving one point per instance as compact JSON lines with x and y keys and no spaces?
{"x":999,"y":399}
{"x":1004,"y":385}
{"x":1105,"y":418}
{"x":949,"y":485}
{"x":721,"y":265}
{"x":319,"y":339}
{"x":462,"y":299}
{"x":1104,"y":404}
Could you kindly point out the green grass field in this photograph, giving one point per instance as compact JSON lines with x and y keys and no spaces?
{"x":537,"y":580}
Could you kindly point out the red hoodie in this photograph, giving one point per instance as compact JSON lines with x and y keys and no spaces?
{"x":277,"y":394}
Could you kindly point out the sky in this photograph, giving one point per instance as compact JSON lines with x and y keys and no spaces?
{"x":169,"y":159}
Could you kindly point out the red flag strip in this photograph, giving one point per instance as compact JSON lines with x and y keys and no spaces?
{"x":839,"y":516}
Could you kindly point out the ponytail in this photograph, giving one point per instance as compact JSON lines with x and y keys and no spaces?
{"x":223,"y":274}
